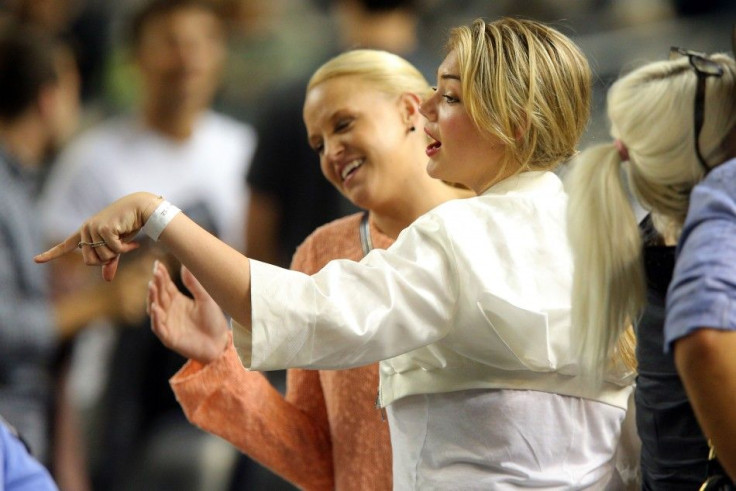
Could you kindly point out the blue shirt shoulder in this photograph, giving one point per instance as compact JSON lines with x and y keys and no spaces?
{"x":19,"y":471}
{"x":703,"y":288}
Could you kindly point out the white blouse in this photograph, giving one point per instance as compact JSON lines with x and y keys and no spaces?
{"x":472,"y":298}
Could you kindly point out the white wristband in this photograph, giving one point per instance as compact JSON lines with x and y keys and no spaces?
{"x":159,"y":219}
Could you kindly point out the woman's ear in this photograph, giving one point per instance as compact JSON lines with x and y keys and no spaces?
{"x":409,"y":107}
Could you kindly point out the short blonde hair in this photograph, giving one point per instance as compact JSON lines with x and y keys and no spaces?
{"x":651,"y":112}
{"x":389,"y":73}
{"x":525,"y":84}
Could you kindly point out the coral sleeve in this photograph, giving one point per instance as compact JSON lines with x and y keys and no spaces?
{"x":290,"y":436}
{"x":243,"y":408}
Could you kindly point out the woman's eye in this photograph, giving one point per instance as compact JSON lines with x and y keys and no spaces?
{"x":341,"y":125}
{"x":318,"y":148}
{"x":450,"y":99}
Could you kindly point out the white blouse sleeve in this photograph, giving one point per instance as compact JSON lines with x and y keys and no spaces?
{"x":351,"y":314}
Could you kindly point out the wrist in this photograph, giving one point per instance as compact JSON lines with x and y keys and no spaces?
{"x":152,"y":202}
{"x":218,"y":349}
{"x":226,"y":340}
{"x":159,"y":218}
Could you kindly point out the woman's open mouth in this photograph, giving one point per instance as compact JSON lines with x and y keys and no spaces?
{"x":350,"y":168}
{"x":433,"y":148}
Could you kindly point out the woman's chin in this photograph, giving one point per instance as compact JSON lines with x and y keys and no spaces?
{"x":359,"y":198}
{"x":434,"y":170}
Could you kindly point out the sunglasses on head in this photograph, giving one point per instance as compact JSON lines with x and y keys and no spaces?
{"x":704,"y":68}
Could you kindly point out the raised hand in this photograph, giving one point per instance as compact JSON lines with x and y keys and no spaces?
{"x":108,"y":234}
{"x":195,"y":327}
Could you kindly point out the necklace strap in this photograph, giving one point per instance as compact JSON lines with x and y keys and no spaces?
{"x":365,"y":234}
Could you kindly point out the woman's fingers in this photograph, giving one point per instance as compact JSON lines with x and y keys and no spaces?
{"x":157,"y":312}
{"x":98,"y":243}
{"x":110,"y":268}
{"x":150,"y":296}
{"x":158,"y":287}
{"x":111,"y":242}
{"x":193,"y":284}
{"x":95,"y":251}
{"x":85,"y":245}
{"x":59,"y":249}
{"x":166,"y":288}
{"x":158,"y":324}
{"x":156,"y":307}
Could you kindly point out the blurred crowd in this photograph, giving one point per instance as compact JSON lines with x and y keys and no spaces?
{"x":204,"y":98}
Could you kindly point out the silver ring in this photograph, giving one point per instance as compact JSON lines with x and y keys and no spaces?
{"x":91,"y":244}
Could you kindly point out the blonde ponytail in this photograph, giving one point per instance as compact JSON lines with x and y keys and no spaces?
{"x":650,"y":110}
{"x":608,"y":284}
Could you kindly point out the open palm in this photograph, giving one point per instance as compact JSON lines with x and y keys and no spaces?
{"x":194,"y":327}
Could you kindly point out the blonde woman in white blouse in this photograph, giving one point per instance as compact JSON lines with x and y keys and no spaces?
{"x":484,"y":380}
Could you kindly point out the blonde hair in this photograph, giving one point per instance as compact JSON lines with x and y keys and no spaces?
{"x":525,"y":84}
{"x":651,"y":112}
{"x":388,"y":72}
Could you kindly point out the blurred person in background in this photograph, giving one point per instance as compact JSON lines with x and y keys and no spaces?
{"x":174,"y":145}
{"x":269,"y":41}
{"x":390,"y":25}
{"x":289,"y":198}
{"x":39,"y":110}
{"x":84,"y":25}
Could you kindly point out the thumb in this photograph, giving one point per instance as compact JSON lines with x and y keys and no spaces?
{"x":193,"y":284}
{"x":110,"y":268}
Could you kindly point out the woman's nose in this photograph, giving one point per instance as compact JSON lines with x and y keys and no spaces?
{"x":426,"y":108}
{"x":332,"y":149}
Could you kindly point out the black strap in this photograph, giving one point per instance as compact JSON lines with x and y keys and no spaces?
{"x":365,"y":234}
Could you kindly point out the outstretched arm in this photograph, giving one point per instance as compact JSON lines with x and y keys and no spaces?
{"x":303,"y":321}
{"x":222,"y":270}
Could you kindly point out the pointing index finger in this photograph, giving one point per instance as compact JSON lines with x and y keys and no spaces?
{"x":59,"y":249}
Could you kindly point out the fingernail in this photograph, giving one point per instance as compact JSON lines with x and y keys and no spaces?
{"x":155,"y":265}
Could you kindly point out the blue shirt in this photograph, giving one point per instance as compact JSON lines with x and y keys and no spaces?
{"x":18,"y":470}
{"x":703,"y":288}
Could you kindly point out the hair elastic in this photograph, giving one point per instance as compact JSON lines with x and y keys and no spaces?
{"x":623,"y":152}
